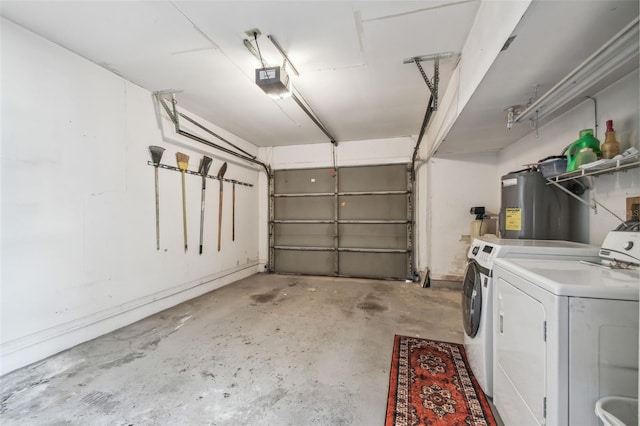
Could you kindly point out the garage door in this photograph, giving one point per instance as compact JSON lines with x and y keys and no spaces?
{"x":353,"y":222}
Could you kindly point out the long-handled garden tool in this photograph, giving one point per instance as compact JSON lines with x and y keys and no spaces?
{"x":221,"y":173}
{"x":205,"y":163}
{"x":183,"y":163}
{"x":156,"y":156}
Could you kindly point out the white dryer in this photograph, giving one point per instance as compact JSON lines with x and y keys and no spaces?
{"x":477,"y":292}
{"x":566,"y":334}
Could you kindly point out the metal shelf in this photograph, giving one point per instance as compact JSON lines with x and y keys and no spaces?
{"x":614,"y":166}
{"x":620,"y":165}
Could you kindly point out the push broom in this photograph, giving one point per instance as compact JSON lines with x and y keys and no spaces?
{"x":205,"y":163}
{"x":156,"y":156}
{"x":183,"y":163}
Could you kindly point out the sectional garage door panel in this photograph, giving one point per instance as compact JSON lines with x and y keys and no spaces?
{"x":373,"y":207}
{"x":373,"y":178}
{"x":305,"y":235}
{"x":304,"y":181}
{"x":354,"y":221}
{"x":304,"y":208}
{"x":374,"y":265}
{"x":374,"y":236}
{"x":305,"y":262}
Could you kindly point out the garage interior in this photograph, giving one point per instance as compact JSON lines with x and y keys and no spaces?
{"x":334,"y":215}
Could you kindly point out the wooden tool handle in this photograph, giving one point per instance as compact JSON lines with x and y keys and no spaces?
{"x":184,"y":213}
{"x":220,"y":221}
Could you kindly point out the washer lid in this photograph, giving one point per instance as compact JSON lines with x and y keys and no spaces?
{"x":576,"y":279}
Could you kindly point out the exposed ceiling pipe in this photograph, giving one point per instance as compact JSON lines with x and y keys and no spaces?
{"x":195,"y":123}
{"x":174,"y":117}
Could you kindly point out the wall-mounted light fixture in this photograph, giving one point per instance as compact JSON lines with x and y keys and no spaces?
{"x":619,"y":51}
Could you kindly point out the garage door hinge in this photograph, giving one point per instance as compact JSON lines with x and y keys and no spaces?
{"x":544,"y":407}
{"x":544,"y":330}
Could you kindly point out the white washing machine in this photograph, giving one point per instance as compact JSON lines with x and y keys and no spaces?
{"x":477,"y":292}
{"x":566,"y":334}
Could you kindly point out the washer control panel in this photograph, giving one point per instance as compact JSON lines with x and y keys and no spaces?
{"x":482,"y":252}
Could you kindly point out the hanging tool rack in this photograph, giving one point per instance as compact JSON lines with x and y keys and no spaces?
{"x":190,"y":172}
{"x":169,"y":96}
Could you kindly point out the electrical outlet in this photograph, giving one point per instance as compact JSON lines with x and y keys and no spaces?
{"x":633,"y":208}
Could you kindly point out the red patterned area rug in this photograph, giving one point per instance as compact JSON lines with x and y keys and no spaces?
{"x":431,"y":384}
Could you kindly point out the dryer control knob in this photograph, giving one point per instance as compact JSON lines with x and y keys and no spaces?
{"x":629,"y":245}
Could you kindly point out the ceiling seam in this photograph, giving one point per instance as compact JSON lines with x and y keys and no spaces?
{"x":424,"y":9}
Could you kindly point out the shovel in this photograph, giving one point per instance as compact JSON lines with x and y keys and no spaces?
{"x":183,"y":163}
{"x":221,"y":173}
{"x":205,"y":163}
{"x":156,"y":156}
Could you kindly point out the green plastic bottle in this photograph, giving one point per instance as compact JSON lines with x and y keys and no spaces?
{"x":587,"y":140}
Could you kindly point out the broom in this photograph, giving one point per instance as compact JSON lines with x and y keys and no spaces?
{"x":183,"y":163}
{"x":156,"y":156}
{"x":205,"y":163}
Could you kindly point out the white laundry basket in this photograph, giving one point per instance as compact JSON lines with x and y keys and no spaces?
{"x":618,"y":411}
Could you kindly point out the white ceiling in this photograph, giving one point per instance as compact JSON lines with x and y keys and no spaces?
{"x":349,"y":55}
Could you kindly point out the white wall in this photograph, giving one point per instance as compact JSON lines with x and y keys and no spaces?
{"x":620,"y":103}
{"x":457,"y":183}
{"x":78,"y":252}
{"x":439,"y":238}
{"x":454,"y":186}
{"x":352,"y":153}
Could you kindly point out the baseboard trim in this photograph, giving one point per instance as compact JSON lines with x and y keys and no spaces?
{"x":34,"y":347}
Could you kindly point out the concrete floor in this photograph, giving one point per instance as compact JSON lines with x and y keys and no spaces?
{"x":267,"y":350}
